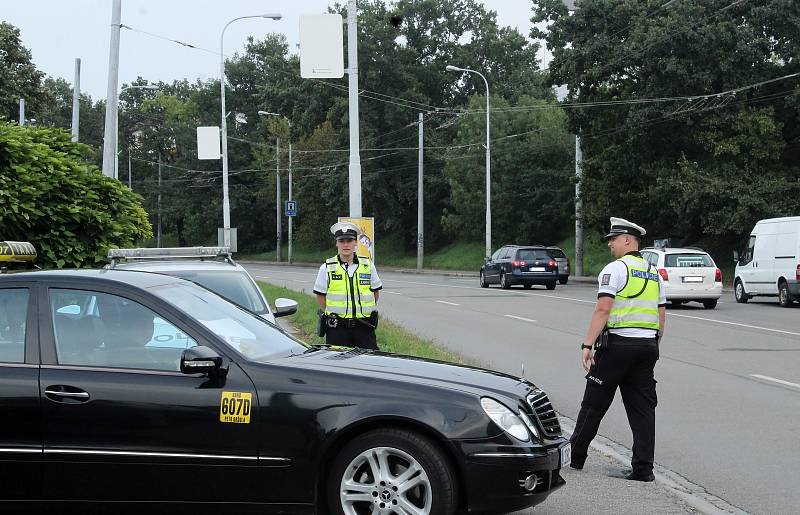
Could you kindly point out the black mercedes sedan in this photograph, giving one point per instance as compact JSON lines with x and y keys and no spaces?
{"x":133,"y":387}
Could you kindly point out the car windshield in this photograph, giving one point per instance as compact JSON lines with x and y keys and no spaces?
{"x":556,"y":253}
{"x":531,"y":254}
{"x":251,"y":335}
{"x":687,"y":260}
{"x":234,"y":285}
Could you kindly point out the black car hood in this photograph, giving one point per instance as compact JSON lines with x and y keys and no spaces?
{"x":400,"y":368}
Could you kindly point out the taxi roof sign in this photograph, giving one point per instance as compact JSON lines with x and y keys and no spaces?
{"x":17,"y":252}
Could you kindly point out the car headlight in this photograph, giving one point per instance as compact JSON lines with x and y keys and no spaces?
{"x":505,"y":419}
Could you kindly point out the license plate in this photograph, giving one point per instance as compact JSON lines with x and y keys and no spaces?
{"x":537,"y":269}
{"x":692,"y":279}
{"x":566,"y":454}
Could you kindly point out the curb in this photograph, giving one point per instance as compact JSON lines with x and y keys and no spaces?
{"x":691,"y":493}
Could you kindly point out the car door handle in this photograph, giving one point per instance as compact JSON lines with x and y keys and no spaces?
{"x":59,"y":393}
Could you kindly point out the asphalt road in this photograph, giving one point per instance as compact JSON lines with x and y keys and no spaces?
{"x":729,"y":381}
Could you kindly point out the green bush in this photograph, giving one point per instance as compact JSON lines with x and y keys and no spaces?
{"x":51,"y":197}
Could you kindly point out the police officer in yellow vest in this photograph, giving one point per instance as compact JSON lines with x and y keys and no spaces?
{"x":625,"y":331}
{"x":347,"y":289}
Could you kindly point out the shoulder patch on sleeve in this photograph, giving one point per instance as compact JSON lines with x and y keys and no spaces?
{"x":605,"y":279}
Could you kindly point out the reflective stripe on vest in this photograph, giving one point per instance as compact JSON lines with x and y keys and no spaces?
{"x":636,"y":305}
{"x":342,"y":292}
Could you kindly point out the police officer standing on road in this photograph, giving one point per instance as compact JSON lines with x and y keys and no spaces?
{"x":347,"y":290}
{"x":625,"y":331}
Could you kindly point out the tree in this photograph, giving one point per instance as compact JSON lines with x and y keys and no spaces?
{"x":51,"y":197}
{"x":19,"y":77}
{"x":663,"y":143}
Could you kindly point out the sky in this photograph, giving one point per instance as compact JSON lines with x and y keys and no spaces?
{"x":58,"y":31}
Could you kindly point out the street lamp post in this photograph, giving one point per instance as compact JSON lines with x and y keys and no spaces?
{"x":451,"y":68}
{"x":267,"y":113}
{"x":116,"y":130}
{"x":226,"y":207}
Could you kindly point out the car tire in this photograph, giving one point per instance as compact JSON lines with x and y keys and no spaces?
{"x":551,"y":285}
{"x":504,"y":281}
{"x":710,"y":304}
{"x":739,"y":292}
{"x":484,"y":284}
{"x":433,"y":485}
{"x":784,"y":297}
{"x":527,"y":286}
{"x":563,"y":279}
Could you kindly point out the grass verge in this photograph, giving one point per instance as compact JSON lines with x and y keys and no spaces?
{"x":391,"y":337}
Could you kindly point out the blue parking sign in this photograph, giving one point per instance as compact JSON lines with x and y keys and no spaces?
{"x":291,"y":208}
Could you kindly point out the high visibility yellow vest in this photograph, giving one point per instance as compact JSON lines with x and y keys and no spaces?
{"x":348,"y":297}
{"x":636,"y":304}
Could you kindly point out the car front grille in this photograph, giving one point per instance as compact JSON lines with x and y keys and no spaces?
{"x":544,"y":412}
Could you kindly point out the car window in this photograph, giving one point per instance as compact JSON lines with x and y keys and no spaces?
{"x":556,"y":253}
{"x":651,"y":257}
{"x":13,"y":318}
{"x":234,"y":285}
{"x":687,"y":260}
{"x":249,"y":334}
{"x":532,"y":254}
{"x":497,"y":253}
{"x":102,"y":330}
{"x":504,"y":253}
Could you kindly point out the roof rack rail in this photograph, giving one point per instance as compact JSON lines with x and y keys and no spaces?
{"x":166,"y":253}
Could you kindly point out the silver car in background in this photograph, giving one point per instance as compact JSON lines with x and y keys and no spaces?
{"x":562,"y":261}
{"x":211,"y":267}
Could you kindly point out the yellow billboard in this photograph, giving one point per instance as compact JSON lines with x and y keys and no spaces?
{"x":366,"y":242}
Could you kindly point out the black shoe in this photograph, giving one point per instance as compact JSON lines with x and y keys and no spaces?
{"x":576,"y":465}
{"x":647,"y":478}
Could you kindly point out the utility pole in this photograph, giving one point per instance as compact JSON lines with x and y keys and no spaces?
{"x":21,"y":112}
{"x":130,"y":184}
{"x":290,"y":192}
{"x":420,"y":204}
{"x":110,"y":131}
{"x":578,"y":208}
{"x":76,"y":100}
{"x":278,"y":198}
{"x":158,"y":237}
{"x":352,"y":79}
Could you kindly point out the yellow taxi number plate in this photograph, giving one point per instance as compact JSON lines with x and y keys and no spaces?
{"x":235,"y":407}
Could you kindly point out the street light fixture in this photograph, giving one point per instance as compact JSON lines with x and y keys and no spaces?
{"x":116,"y":129}
{"x":226,"y":207}
{"x":451,"y":68}
{"x":278,"y":190}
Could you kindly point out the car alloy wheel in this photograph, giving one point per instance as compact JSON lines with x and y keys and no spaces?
{"x":739,"y":293}
{"x":504,"y":281}
{"x":484,"y":284}
{"x":392,"y":471}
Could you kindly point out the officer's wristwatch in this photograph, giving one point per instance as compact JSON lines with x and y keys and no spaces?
{"x":584,"y":346}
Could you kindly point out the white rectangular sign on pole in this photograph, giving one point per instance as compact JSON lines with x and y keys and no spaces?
{"x":321,"y":46}
{"x":208,"y":143}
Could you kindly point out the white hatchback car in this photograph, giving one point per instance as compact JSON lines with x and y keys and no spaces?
{"x":689,"y":274}
{"x":211,"y":267}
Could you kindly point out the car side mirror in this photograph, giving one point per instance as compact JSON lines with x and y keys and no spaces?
{"x":202,"y":360}
{"x":736,"y":255}
{"x":285,"y":307}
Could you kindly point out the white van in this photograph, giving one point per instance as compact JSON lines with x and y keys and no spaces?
{"x":771,"y":264}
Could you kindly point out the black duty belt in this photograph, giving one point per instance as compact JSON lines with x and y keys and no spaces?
{"x":615,"y":339}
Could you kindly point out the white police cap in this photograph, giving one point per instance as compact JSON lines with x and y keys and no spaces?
{"x":622,"y":226}
{"x":342,"y":230}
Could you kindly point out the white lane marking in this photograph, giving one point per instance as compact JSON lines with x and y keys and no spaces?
{"x":772,"y":379}
{"x":448,"y":303}
{"x":520,"y":318}
{"x":391,"y":292}
{"x":736,"y":324}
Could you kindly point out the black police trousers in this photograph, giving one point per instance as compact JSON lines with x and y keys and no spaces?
{"x":358,"y":336}
{"x":626,"y":363}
